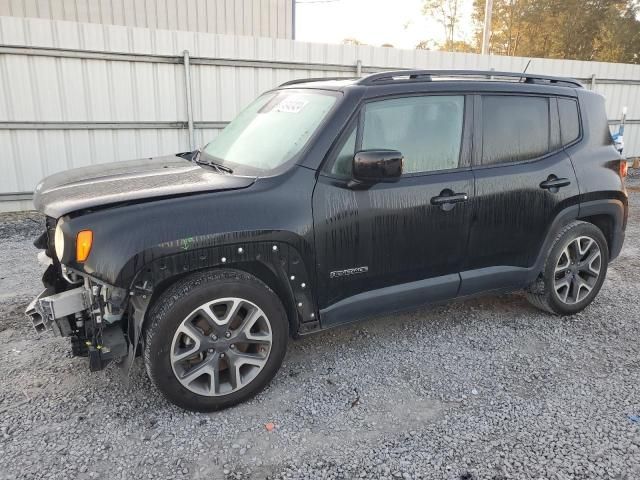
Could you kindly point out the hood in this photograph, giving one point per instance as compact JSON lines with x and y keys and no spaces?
{"x":117,"y":182}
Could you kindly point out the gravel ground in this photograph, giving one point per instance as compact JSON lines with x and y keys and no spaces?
{"x":482,"y":389}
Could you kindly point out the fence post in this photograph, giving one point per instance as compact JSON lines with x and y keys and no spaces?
{"x":187,"y":88}
{"x":593,"y":81}
{"x":358,"y":68}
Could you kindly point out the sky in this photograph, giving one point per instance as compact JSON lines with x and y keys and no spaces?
{"x":398,"y":22}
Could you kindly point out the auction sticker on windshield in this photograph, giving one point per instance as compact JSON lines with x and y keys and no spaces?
{"x":291,"y":105}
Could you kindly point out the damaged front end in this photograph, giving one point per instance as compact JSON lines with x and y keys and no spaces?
{"x":91,"y":313}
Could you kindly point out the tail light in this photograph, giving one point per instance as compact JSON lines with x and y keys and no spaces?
{"x":624,"y":167}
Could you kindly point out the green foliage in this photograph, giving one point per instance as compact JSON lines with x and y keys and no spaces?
{"x":458,"y":46}
{"x":602,"y":30}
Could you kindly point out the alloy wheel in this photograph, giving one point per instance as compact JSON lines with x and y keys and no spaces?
{"x":221,"y":346}
{"x":577,"y":270}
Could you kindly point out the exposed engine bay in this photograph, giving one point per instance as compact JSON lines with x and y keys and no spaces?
{"x":92,"y":314}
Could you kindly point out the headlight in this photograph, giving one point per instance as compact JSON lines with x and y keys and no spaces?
{"x":58,"y":241}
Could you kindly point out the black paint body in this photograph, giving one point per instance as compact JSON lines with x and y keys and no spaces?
{"x":301,"y":224}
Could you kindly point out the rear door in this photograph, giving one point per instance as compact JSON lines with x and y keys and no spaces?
{"x":523,"y":179}
{"x":396,"y":245}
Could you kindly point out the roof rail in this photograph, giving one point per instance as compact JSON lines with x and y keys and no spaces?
{"x":317,"y":79}
{"x":427,"y":76}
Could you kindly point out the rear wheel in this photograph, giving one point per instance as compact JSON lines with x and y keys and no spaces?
{"x":574,"y":270}
{"x":215,"y":339}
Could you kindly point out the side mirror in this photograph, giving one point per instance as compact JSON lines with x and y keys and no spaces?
{"x":374,"y":166}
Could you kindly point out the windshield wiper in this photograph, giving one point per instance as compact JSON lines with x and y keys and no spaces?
{"x":220,"y":168}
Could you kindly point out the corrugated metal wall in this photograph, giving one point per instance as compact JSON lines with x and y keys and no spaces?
{"x":64,"y":104}
{"x":260,"y":18}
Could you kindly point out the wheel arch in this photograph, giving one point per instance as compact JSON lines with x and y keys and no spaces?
{"x":604,"y":222}
{"x":277,"y":264}
{"x":605,"y":213}
{"x":610,"y":216}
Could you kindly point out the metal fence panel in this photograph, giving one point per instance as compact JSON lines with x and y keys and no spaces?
{"x":78,"y":93}
{"x":266,"y":18}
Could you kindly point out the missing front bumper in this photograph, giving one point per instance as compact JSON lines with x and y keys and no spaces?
{"x":52,"y":310}
{"x":71,"y":314}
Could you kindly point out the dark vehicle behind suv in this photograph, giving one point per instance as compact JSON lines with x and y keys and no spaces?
{"x":327,"y":201}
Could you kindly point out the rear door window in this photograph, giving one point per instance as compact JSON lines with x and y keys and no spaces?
{"x":514,"y":128}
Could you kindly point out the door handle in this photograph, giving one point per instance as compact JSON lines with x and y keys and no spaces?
{"x":444,"y":199}
{"x":447,"y":199}
{"x":553,"y":183}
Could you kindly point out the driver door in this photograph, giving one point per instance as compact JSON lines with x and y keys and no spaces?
{"x":392,"y":246}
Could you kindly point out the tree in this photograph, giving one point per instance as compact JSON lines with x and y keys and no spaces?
{"x":458,"y":46}
{"x":447,"y":12}
{"x":352,"y":41}
{"x":622,"y":43}
{"x":506,"y":20}
{"x":605,"y":30}
{"x":426,"y":45}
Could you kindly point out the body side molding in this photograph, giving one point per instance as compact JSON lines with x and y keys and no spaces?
{"x":390,"y":299}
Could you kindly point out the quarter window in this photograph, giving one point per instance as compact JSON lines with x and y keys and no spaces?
{"x":426,"y":130}
{"x":514,"y":128}
{"x":344,"y":161}
{"x":569,"y":120}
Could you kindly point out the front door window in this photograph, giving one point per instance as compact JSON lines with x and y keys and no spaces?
{"x":427,"y":130}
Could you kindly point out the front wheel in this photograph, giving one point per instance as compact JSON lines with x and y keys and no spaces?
{"x":574,"y":270}
{"x":215,"y":339}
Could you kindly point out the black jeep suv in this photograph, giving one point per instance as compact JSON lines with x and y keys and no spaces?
{"x":326,"y":201}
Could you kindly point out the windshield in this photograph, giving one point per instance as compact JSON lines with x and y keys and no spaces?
{"x":270,"y":131}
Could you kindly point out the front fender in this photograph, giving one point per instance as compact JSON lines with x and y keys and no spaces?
{"x":288,"y":275}
{"x":279,"y":263}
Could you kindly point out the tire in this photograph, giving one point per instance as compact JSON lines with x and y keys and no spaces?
{"x":185,"y":363}
{"x":557,"y":289}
